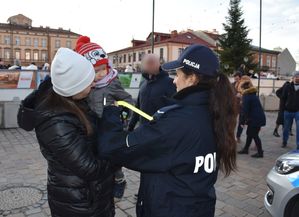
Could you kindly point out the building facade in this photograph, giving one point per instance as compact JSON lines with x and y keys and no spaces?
{"x":167,"y":45}
{"x":170,"y":45}
{"x":19,"y":40}
{"x":286,"y":63}
{"x":269,"y":58}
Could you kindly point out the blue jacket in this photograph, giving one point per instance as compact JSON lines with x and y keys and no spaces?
{"x":175,"y":153}
{"x":252,"y":110}
{"x":152,"y":95}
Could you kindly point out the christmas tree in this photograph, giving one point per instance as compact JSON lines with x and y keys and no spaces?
{"x":235,"y":45}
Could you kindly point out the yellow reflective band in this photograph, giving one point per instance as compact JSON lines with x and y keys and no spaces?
{"x":134,"y":109}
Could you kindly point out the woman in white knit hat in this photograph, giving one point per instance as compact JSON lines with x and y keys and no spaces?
{"x":79,"y":184}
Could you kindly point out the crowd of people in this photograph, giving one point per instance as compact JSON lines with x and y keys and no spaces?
{"x":288,"y":96}
{"x":80,"y":130}
{"x":18,"y":66}
{"x":251,"y":112}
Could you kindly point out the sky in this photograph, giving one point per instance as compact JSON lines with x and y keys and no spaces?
{"x":114,"y":23}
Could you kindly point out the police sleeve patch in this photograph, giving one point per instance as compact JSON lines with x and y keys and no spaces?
{"x":164,"y":110}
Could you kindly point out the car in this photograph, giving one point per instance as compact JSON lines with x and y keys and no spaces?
{"x":282,"y":197}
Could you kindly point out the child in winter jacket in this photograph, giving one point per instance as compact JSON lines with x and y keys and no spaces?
{"x":107,"y":90}
{"x":253,"y":116}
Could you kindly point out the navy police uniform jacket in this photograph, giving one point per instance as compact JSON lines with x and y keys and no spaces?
{"x":176,"y":154}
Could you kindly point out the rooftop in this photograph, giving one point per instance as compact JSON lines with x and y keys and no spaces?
{"x":185,"y":38}
{"x":21,"y":22}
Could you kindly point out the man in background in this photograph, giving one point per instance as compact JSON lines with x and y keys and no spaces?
{"x":154,"y":90}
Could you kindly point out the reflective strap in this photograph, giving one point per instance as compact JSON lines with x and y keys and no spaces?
{"x":127,"y":141}
{"x":136,"y":110}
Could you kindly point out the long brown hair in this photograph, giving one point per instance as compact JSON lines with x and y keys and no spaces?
{"x":224,"y":112}
{"x":56,"y":102}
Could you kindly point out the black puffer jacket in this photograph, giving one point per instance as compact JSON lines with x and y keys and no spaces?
{"x":79,"y":185}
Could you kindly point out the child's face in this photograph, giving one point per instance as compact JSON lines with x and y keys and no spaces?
{"x":101,"y":72}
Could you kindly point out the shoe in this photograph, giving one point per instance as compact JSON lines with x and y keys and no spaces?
{"x":284,"y":144}
{"x":275,"y":133}
{"x":258,"y":155}
{"x":119,"y":189}
{"x":243,"y":151}
{"x":291,"y":133}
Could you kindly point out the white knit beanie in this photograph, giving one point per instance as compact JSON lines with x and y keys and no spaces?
{"x":71,"y":73}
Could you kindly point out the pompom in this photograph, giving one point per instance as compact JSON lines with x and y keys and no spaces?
{"x":82,"y":40}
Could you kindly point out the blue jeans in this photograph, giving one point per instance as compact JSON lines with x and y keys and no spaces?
{"x":288,"y":120}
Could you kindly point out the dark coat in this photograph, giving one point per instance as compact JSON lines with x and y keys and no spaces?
{"x":26,"y":114}
{"x":280,"y":116}
{"x":79,"y":184}
{"x":153,"y":95}
{"x":252,"y":111}
{"x":290,"y":98}
{"x":165,"y":151}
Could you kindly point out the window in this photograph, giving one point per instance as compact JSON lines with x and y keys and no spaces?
{"x":28,"y":41}
{"x":181,"y":51}
{"x":140,"y":56}
{"x":44,"y":43}
{"x":35,"y":55}
{"x":18,"y":42}
{"x":57,"y":43}
{"x":18,"y":54}
{"x":7,"y":40}
{"x":35,"y":42}
{"x":125,"y":58}
{"x":130,"y":56}
{"x":27,"y":55}
{"x":273,"y":62}
{"x":44,"y":56}
{"x":268,"y":61}
{"x":69,"y":44}
{"x":134,"y":57}
{"x":161,"y":53}
{"x":7,"y":53}
{"x":0,"y":52}
{"x":120,"y":58}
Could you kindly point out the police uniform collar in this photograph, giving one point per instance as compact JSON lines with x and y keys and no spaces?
{"x":194,"y":95}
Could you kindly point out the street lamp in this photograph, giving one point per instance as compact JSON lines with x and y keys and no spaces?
{"x":153,"y":26}
{"x":260,"y":51}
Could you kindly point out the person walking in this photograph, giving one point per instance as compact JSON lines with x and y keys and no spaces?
{"x":279,"y":119}
{"x":253,"y":116}
{"x":180,"y":151}
{"x":237,"y":80}
{"x":79,"y":183}
{"x":290,"y":98}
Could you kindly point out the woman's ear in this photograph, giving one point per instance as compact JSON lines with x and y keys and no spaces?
{"x":194,"y":79}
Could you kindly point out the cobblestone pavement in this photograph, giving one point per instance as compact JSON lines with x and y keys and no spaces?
{"x":23,"y":179}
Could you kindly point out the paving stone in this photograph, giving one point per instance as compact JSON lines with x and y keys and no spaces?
{"x":37,"y":215}
{"x":120,"y":213}
{"x":17,"y":215}
{"x":33,"y":211}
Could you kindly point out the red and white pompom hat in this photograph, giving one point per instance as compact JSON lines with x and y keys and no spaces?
{"x":91,"y":51}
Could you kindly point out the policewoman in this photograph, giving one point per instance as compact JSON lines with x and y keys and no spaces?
{"x":180,"y":151}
